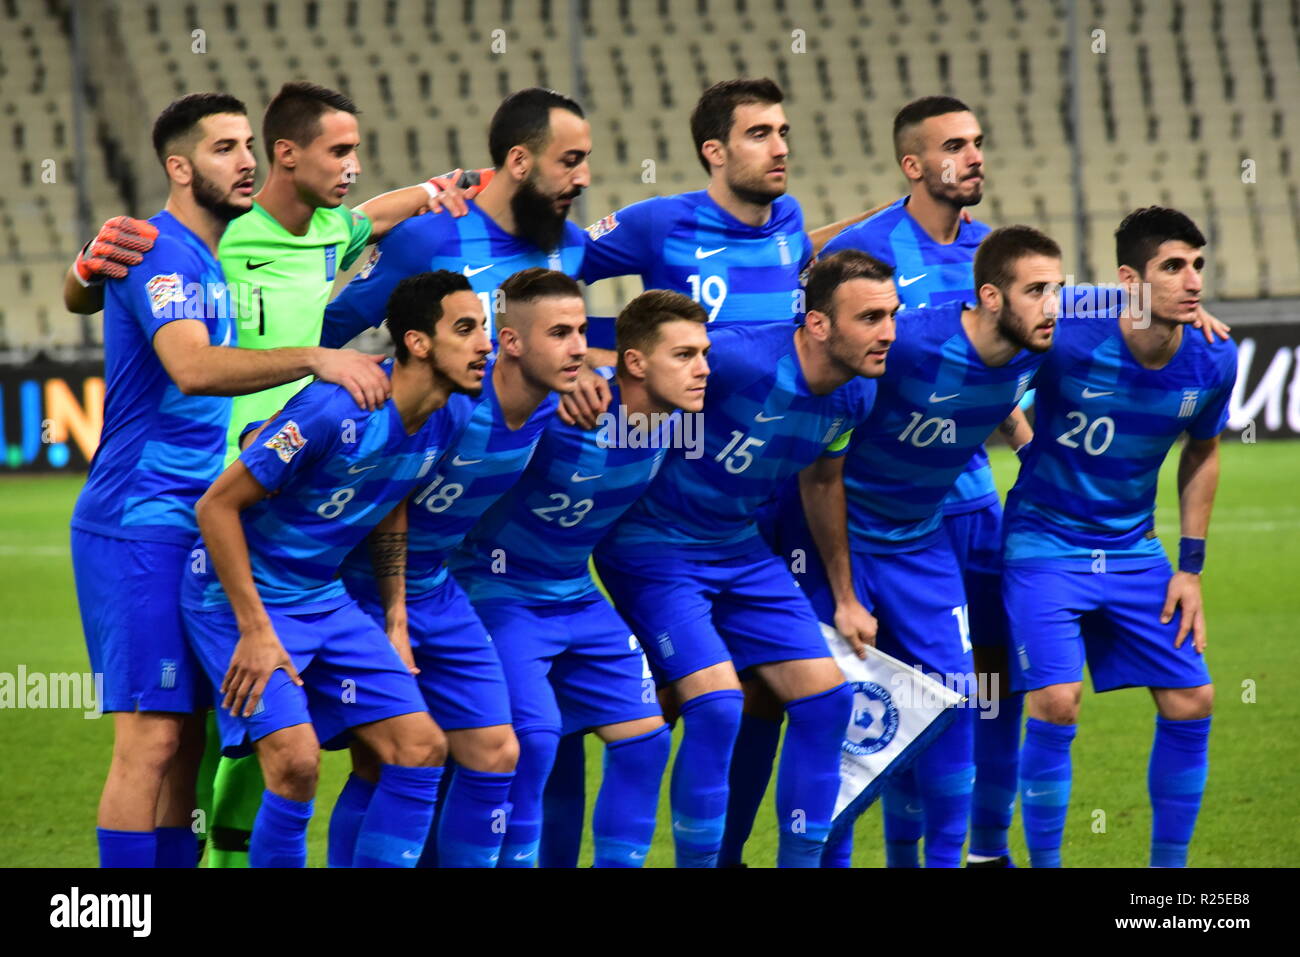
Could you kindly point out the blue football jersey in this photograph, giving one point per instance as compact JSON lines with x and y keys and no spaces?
{"x":761,"y":425}
{"x":690,"y":244}
{"x":473,"y":245}
{"x":159,"y":449}
{"x":935,"y":404}
{"x":1103,"y":425}
{"x":337,"y":471}
{"x":533,"y":544}
{"x":484,"y":465}
{"x":927,"y":273}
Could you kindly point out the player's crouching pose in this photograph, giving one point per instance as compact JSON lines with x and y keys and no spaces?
{"x":295,"y":661}
{"x":687,"y":568}
{"x":1086,"y":577}
{"x":571,"y":662}
{"x":542,"y":344}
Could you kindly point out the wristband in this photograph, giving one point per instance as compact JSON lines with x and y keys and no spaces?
{"x":76,"y":268}
{"x":431,"y":189}
{"x":1191,"y":555}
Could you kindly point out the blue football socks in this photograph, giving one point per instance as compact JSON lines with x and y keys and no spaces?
{"x":397,"y":821}
{"x":809,"y":776}
{"x":280,"y":832}
{"x":126,"y":848}
{"x":1180,"y":764}
{"x":523,"y":835}
{"x":945,"y":776}
{"x":345,"y":821}
{"x":623,"y":822}
{"x":474,"y":818}
{"x":699,"y":784}
{"x":997,"y":773}
{"x":176,"y":847}
{"x":1045,"y":789}
{"x":904,"y":819}
{"x":564,"y":805}
{"x":751,"y":770}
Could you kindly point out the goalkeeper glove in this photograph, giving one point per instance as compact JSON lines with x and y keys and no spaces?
{"x":121,"y":242}
{"x":472,"y":181}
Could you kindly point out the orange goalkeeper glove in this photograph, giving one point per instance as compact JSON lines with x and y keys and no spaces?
{"x":472,"y":181}
{"x":121,"y":242}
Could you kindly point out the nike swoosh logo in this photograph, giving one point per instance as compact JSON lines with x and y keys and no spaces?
{"x":905,"y":281}
{"x":523,"y":857}
{"x":943,"y":398}
{"x":577,"y":477}
{"x":1089,"y":394}
{"x":469,"y":273}
{"x":913,"y":809}
{"x":460,"y":461}
{"x":353,"y":470}
{"x":682,"y":828}
{"x":760,"y":417}
{"x":411,"y":855}
{"x":702,"y":253}
{"x":1031,"y":793}
{"x":635,"y":856}
{"x":250,"y":265}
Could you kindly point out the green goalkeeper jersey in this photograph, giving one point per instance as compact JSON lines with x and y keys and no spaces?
{"x":281,"y":284}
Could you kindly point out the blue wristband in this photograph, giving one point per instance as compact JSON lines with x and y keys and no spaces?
{"x":1191,"y":555}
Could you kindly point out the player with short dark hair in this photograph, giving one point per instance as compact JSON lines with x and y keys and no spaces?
{"x":296,"y":662}
{"x":952,"y":379}
{"x":540,"y":351}
{"x":738,"y":246}
{"x":1086,"y":577}
{"x":540,"y":142}
{"x":931,"y":241}
{"x":280,"y":260}
{"x":687,"y":568}
{"x":169,"y":333}
{"x":572,"y":664}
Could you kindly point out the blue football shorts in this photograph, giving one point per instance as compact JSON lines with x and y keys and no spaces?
{"x":694,"y":613}
{"x":351,"y":674}
{"x":129,"y":593}
{"x":570,"y":666}
{"x":460,"y":672}
{"x":976,"y":539}
{"x":1111,"y":620}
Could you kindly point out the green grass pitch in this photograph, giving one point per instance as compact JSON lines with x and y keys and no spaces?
{"x":53,"y":762}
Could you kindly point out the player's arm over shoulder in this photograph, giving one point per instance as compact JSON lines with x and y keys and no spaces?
{"x":405,"y":251}
{"x":621,"y":243}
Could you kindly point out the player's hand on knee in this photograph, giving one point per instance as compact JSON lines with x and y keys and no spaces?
{"x":257,"y":656}
{"x":400,"y":638}
{"x":120,"y":243}
{"x":583,"y":406}
{"x":357,"y":372}
{"x":1185,"y":591}
{"x":1211,"y":327}
{"x":857,"y":625}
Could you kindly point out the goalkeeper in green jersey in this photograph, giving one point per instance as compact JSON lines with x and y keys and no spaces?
{"x":280,"y":260}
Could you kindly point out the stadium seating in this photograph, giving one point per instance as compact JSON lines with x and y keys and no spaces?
{"x":1185,"y":104}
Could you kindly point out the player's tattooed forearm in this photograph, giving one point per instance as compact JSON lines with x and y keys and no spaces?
{"x":388,"y":553}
